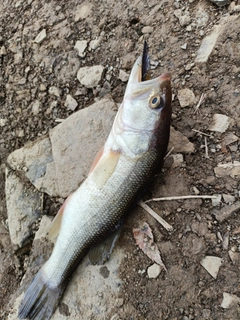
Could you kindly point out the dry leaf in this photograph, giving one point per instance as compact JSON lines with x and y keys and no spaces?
{"x":144,"y":239}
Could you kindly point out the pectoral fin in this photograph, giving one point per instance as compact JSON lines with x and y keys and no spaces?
{"x":96,"y":159}
{"x":57,"y":221}
{"x":100,"y":253}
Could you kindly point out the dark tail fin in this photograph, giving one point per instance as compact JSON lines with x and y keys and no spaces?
{"x":40,"y":300}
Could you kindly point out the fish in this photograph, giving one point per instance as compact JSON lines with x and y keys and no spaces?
{"x":131,"y":156}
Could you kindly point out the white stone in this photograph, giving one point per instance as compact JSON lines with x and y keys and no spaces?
{"x":18,"y":57}
{"x":229,"y":300}
{"x":186,"y":97}
{"x":81,"y":46}
{"x":185,"y":20}
{"x":184,"y":46}
{"x":20,"y":133}
{"x":90,"y":76}
{"x":231,"y":169}
{"x":153,"y":271}
{"x":42,"y":87}
{"x":41,"y":36}
{"x":54,"y":91}
{"x":228,"y":198}
{"x":3,"y":51}
{"x":82,"y":11}
{"x":211,"y":264}
{"x":3,"y":122}
{"x":177,"y":160}
{"x":147,"y":29}
{"x":217,"y":200}
{"x":177,"y":13}
{"x":123,"y":76}
{"x":94,"y":44}
{"x":35,"y":107}
{"x":202,"y":16}
{"x":27,"y":69}
{"x":209,"y":42}
{"x":71,"y":103}
{"x":220,"y":123}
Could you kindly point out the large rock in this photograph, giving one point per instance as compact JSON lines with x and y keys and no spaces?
{"x":76,"y":141}
{"x":56,"y":165}
{"x":24,"y":206}
{"x":35,"y":161}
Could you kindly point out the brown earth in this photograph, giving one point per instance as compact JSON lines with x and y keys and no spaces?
{"x":28,"y":70}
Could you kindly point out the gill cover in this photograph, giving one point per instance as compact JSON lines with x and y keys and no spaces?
{"x":145,"y":105}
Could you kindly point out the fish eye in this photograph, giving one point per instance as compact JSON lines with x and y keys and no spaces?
{"x":156,"y":102}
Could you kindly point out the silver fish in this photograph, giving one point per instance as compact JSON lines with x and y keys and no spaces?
{"x":131,"y":156}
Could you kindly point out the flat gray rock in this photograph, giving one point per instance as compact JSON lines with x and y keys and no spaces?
{"x":55,"y":165}
{"x":76,"y":141}
{"x":24,"y":206}
{"x":35,"y":161}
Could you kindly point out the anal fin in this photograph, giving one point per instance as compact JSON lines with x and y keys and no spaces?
{"x":101,"y":252}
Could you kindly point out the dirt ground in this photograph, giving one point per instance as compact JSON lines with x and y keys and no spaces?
{"x":28,"y":69}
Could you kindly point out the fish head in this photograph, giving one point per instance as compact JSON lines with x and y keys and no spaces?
{"x":143,"y":119}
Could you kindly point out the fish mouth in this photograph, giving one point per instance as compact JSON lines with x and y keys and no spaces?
{"x":141,"y":70}
{"x":145,"y":69}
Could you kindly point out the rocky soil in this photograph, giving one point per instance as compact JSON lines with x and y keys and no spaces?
{"x":56,"y":60}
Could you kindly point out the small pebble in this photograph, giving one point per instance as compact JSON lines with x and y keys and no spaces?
{"x":153,"y":271}
{"x":147,"y":29}
{"x":41,"y":36}
{"x":71,"y":103}
{"x":123,"y":76}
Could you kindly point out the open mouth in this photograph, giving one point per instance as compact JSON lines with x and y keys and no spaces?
{"x":145,"y":63}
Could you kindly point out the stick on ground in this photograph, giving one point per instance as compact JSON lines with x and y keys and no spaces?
{"x":183,"y":198}
{"x":164,"y":223}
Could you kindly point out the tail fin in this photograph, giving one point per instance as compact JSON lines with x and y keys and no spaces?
{"x":40,"y":300}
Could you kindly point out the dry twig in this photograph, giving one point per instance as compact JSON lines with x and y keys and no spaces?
{"x":202,"y":98}
{"x":183,"y":198}
{"x":206,"y":148}
{"x":205,"y":134}
{"x":169,"y":152}
{"x":164,"y":223}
